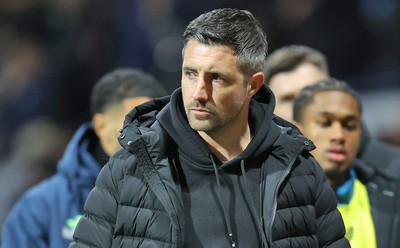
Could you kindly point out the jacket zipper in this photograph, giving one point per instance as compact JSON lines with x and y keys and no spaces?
{"x":274,"y":205}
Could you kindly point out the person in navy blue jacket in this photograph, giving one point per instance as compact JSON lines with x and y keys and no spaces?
{"x":46,"y":215}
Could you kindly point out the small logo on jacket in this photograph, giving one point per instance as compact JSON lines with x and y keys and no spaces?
{"x":69,"y":228}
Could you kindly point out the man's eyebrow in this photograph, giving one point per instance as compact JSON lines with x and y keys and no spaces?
{"x":185,"y":68}
{"x":347,"y":116}
{"x":287,"y":97}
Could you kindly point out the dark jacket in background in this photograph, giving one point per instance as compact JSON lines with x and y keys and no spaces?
{"x":381,"y":156}
{"x":139,"y":204}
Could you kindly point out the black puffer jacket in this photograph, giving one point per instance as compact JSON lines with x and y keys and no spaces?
{"x":139,"y":202}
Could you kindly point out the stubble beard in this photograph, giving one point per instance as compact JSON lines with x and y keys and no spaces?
{"x":211,"y":125}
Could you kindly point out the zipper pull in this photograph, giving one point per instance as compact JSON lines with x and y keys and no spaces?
{"x":233,"y":244}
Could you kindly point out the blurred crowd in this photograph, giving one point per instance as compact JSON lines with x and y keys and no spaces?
{"x":53,"y":51}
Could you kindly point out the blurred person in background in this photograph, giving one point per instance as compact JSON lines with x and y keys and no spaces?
{"x":289,"y":69}
{"x":35,"y":150}
{"x":329,"y":113}
{"x":46,"y":214}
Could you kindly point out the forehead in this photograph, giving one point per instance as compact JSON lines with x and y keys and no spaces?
{"x":201,"y":54}
{"x":292,"y":82}
{"x":335,"y":103}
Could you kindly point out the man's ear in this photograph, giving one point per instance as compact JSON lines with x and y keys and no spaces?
{"x":255,"y":83}
{"x":99,"y":124}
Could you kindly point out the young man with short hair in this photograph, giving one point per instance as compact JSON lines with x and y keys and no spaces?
{"x":329,"y":113}
{"x":46,"y":215}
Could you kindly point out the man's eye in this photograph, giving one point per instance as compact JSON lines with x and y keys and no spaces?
{"x":190,"y":74}
{"x":217,"y":78}
{"x":350,"y":126}
{"x":324,"y":123}
{"x":287,"y":98}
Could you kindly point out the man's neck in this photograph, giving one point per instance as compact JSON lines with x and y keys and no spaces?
{"x":228,"y":145}
{"x":338,"y":180}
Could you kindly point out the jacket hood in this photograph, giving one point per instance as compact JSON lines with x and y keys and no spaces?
{"x":77,"y":162}
{"x":79,"y":167}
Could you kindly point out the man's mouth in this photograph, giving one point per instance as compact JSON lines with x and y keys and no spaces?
{"x":337,"y":155}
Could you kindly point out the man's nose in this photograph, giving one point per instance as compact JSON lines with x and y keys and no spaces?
{"x":201,"y":91}
{"x":337,"y":131}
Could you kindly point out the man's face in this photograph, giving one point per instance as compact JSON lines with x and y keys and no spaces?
{"x":112,"y":120}
{"x":332,"y":122}
{"x":215,"y":91}
{"x":287,"y":85}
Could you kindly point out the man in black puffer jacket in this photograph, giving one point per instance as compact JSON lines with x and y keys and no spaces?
{"x":209,"y":166}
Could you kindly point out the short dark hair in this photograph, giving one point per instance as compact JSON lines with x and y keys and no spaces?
{"x":237,"y":29}
{"x":123,"y":83}
{"x":306,"y":95}
{"x":288,"y":58}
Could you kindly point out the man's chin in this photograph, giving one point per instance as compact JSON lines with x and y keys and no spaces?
{"x":335,"y":174}
{"x":200,"y":126}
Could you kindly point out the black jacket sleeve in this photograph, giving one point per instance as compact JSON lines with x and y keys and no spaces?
{"x":330,"y":226}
